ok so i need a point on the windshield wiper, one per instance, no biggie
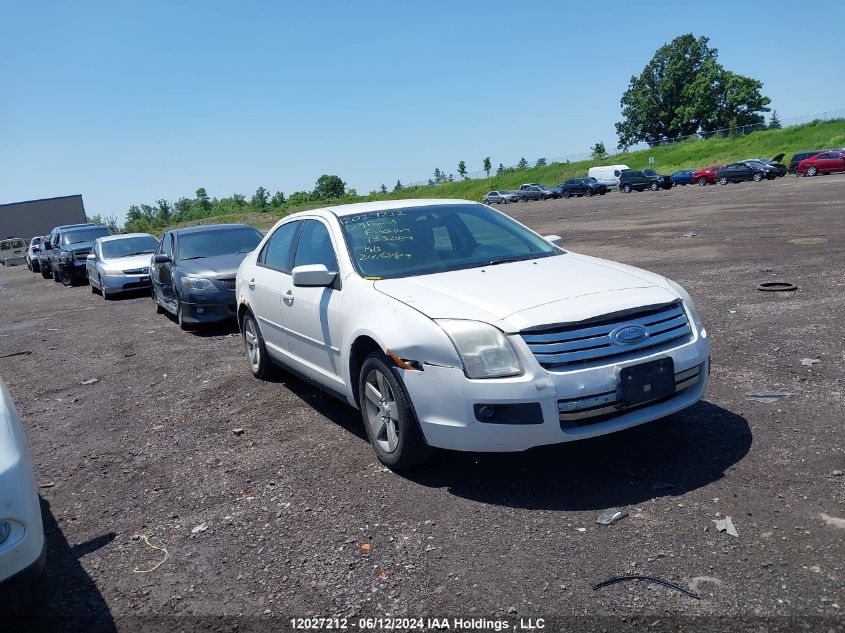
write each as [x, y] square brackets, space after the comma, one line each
[182, 259]
[140, 253]
[503, 260]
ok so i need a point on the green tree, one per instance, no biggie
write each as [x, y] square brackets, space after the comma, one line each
[383, 188]
[299, 197]
[541, 162]
[522, 164]
[500, 169]
[182, 209]
[164, 211]
[260, 198]
[599, 152]
[774, 121]
[202, 199]
[277, 200]
[397, 186]
[487, 165]
[439, 176]
[684, 90]
[462, 169]
[329, 186]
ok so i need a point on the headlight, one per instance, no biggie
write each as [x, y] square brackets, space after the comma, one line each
[197, 283]
[112, 271]
[484, 350]
[690, 304]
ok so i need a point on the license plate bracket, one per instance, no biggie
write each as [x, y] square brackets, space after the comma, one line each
[647, 381]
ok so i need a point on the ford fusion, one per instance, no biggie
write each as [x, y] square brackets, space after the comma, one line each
[192, 271]
[120, 263]
[450, 325]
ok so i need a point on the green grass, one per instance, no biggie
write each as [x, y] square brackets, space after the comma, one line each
[667, 159]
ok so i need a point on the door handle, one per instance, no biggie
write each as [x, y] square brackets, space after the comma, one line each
[251, 284]
[288, 297]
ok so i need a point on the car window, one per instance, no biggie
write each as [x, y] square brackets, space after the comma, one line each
[315, 246]
[214, 243]
[277, 250]
[128, 246]
[77, 236]
[5, 246]
[167, 245]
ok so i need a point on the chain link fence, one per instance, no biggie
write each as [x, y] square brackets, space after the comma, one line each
[829, 115]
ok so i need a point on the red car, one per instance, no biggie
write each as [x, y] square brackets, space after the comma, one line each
[706, 176]
[823, 163]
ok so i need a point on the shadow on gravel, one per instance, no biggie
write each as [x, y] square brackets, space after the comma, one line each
[668, 457]
[66, 598]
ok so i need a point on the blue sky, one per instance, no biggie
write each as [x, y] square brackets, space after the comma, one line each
[128, 102]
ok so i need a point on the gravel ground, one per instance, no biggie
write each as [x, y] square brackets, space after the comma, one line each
[270, 503]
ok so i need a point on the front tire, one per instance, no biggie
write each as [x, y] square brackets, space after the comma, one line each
[758, 177]
[812, 171]
[180, 315]
[723, 180]
[626, 188]
[256, 350]
[388, 415]
[702, 181]
[45, 272]
[654, 186]
[566, 193]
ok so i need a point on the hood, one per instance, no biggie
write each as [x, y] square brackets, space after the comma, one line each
[129, 263]
[218, 266]
[537, 292]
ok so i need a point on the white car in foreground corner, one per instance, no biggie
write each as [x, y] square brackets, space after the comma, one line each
[449, 324]
[22, 549]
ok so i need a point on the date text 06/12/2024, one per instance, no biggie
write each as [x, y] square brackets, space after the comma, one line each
[421, 624]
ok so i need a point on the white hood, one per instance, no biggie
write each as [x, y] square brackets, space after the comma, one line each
[537, 292]
[128, 263]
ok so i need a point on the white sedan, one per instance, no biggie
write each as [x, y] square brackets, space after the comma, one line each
[450, 325]
[22, 550]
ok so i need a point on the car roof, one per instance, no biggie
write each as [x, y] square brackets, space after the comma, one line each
[202, 228]
[383, 205]
[121, 236]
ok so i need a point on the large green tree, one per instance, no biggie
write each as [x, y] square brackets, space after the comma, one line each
[329, 186]
[683, 90]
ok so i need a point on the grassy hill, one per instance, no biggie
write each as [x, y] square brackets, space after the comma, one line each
[667, 158]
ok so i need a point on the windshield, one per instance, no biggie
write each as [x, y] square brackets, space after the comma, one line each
[128, 246]
[84, 235]
[220, 242]
[425, 240]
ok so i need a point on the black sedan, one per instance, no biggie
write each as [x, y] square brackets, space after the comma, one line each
[741, 172]
[581, 187]
[193, 271]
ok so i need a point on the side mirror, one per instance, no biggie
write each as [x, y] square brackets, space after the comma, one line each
[162, 258]
[91, 256]
[313, 276]
[557, 240]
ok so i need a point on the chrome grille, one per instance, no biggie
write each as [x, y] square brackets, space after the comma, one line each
[586, 342]
[228, 284]
[137, 271]
[80, 255]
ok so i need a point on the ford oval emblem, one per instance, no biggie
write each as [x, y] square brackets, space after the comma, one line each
[629, 335]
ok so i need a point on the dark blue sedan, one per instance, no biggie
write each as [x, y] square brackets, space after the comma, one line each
[682, 177]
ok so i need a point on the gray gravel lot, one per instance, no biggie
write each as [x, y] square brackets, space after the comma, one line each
[295, 516]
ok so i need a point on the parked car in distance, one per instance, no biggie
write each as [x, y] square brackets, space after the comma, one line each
[49, 246]
[682, 177]
[500, 197]
[498, 339]
[822, 163]
[32, 254]
[776, 163]
[120, 263]
[529, 184]
[192, 271]
[12, 251]
[663, 182]
[798, 157]
[706, 175]
[608, 175]
[532, 192]
[22, 544]
[581, 187]
[741, 172]
[550, 192]
[69, 255]
[638, 180]
[770, 172]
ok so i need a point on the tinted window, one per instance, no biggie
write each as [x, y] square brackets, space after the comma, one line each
[616, 173]
[219, 242]
[76, 236]
[276, 252]
[423, 240]
[315, 246]
[128, 246]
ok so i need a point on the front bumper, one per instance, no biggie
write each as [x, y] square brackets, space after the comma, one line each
[209, 307]
[73, 268]
[124, 283]
[446, 402]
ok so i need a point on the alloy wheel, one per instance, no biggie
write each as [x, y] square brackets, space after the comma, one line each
[253, 348]
[382, 411]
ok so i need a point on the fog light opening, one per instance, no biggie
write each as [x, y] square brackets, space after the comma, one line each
[486, 411]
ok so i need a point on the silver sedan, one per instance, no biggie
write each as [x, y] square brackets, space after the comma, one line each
[120, 263]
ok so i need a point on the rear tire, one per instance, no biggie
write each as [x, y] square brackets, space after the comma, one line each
[654, 186]
[46, 273]
[589, 193]
[57, 276]
[626, 188]
[702, 181]
[388, 416]
[566, 193]
[723, 180]
[256, 350]
[757, 177]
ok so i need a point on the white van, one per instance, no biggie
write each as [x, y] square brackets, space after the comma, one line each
[607, 175]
